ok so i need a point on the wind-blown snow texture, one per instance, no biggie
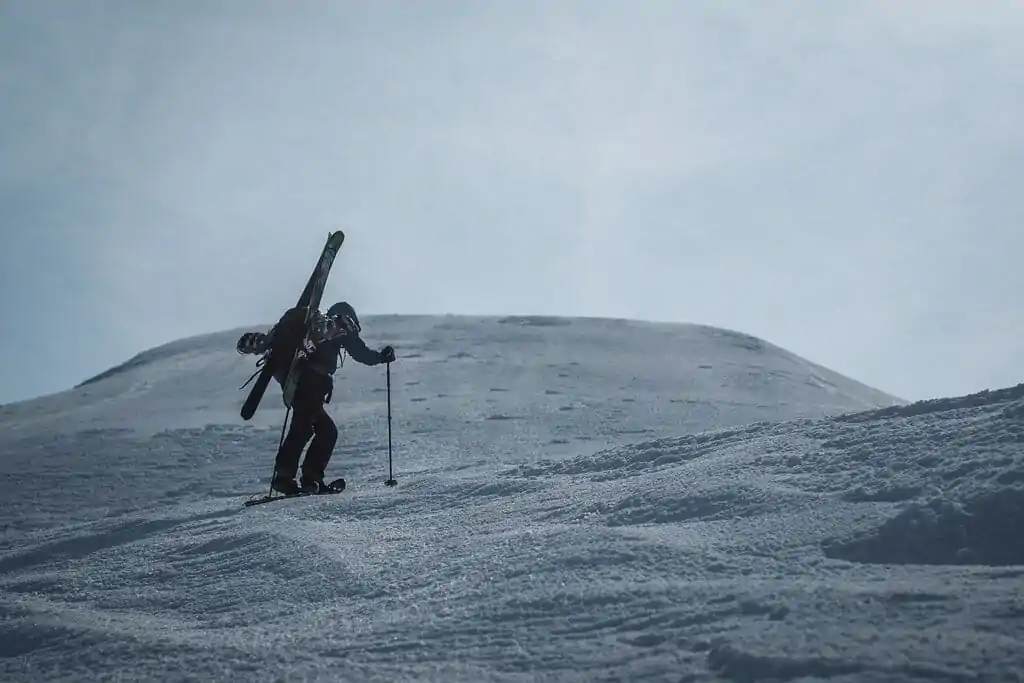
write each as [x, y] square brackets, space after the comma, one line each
[578, 500]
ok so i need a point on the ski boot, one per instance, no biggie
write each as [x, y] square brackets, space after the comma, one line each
[315, 484]
[285, 485]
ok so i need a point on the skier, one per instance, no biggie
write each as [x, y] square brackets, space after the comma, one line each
[331, 334]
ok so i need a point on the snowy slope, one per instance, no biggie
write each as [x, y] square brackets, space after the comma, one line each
[579, 500]
[630, 376]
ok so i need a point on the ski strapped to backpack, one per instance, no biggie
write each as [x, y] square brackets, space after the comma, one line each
[292, 334]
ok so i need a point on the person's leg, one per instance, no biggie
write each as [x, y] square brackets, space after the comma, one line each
[325, 435]
[305, 407]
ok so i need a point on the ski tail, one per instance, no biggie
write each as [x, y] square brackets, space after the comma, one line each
[310, 299]
[252, 401]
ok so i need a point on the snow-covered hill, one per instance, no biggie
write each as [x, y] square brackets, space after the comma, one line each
[590, 379]
[578, 500]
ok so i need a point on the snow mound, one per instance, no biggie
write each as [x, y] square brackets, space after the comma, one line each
[981, 529]
[944, 479]
[776, 661]
[961, 476]
[944, 405]
[165, 354]
[548, 384]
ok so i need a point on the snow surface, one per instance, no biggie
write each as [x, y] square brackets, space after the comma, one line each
[578, 500]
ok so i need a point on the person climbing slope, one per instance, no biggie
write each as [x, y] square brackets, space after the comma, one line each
[337, 331]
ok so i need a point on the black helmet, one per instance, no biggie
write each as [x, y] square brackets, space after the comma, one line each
[343, 310]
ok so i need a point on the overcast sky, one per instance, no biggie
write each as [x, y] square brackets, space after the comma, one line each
[840, 178]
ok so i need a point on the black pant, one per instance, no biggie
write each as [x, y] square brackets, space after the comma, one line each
[309, 419]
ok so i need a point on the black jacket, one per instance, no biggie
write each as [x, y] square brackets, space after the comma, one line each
[324, 359]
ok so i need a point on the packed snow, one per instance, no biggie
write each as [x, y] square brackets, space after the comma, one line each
[577, 500]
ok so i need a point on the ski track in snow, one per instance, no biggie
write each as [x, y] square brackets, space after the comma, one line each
[578, 500]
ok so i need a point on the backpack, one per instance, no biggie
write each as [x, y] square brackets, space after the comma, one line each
[278, 345]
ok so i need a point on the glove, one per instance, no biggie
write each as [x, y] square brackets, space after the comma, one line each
[387, 354]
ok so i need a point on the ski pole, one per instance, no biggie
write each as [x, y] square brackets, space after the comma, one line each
[280, 445]
[391, 476]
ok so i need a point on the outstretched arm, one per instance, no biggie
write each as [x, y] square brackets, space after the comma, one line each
[358, 349]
